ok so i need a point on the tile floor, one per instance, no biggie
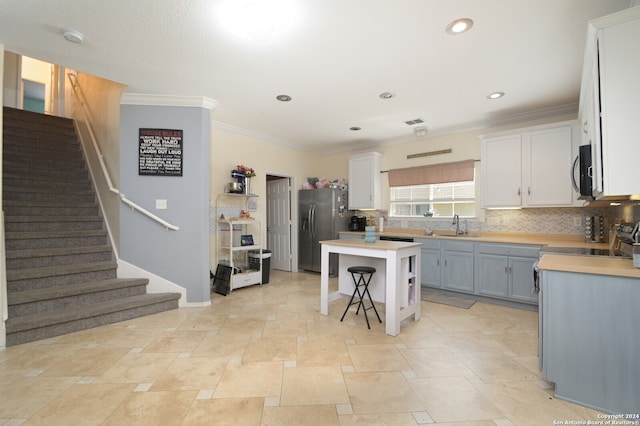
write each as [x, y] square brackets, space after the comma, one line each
[265, 356]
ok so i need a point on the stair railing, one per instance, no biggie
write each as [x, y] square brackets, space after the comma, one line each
[86, 115]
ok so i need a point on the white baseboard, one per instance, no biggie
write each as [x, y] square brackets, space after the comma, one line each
[156, 284]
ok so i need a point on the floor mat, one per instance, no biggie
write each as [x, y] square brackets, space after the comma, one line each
[445, 299]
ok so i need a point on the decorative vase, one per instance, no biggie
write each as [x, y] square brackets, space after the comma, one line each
[247, 186]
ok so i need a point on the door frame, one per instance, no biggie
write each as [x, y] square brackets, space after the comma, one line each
[293, 214]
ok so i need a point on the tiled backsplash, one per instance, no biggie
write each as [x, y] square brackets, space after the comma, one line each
[540, 220]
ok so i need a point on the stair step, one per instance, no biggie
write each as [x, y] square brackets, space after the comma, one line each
[40, 326]
[52, 223]
[39, 258]
[52, 271]
[43, 184]
[48, 208]
[38, 240]
[61, 275]
[31, 302]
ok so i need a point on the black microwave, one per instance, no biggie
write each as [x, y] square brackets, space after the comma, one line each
[585, 167]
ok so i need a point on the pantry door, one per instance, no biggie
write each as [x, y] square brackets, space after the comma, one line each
[279, 223]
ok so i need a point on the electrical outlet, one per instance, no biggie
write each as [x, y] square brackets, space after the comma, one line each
[577, 221]
[161, 204]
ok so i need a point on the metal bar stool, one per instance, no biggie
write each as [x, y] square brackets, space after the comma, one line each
[361, 271]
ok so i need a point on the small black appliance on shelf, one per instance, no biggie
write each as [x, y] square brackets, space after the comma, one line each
[358, 223]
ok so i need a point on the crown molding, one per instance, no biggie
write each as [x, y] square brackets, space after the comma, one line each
[168, 100]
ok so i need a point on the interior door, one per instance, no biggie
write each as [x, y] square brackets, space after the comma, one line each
[279, 223]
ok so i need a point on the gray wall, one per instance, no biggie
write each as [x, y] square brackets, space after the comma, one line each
[180, 256]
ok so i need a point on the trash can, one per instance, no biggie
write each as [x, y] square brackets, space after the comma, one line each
[254, 263]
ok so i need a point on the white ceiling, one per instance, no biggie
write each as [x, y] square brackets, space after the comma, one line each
[333, 57]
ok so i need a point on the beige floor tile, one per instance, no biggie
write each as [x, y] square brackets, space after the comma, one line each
[137, 368]
[395, 419]
[313, 386]
[495, 367]
[322, 353]
[381, 392]
[176, 341]
[238, 325]
[24, 396]
[278, 348]
[204, 321]
[152, 408]
[86, 362]
[191, 374]
[222, 345]
[82, 404]
[454, 399]
[377, 358]
[285, 328]
[475, 341]
[321, 328]
[319, 415]
[435, 362]
[253, 379]
[526, 404]
[232, 411]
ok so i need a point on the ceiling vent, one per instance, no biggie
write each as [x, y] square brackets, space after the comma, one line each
[414, 121]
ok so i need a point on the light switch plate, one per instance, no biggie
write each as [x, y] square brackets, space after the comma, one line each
[161, 204]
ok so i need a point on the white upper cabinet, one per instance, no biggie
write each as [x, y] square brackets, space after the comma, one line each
[609, 107]
[364, 181]
[529, 167]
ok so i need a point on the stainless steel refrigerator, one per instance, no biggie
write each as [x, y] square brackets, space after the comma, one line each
[323, 213]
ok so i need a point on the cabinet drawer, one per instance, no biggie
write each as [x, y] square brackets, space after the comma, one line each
[458, 246]
[428, 243]
[509, 250]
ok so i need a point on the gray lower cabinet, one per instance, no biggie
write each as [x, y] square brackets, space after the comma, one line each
[506, 271]
[447, 264]
[589, 339]
[457, 268]
[430, 262]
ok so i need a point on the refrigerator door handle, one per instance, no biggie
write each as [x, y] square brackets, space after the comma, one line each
[312, 219]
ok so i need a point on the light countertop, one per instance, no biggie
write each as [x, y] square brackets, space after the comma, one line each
[557, 240]
[599, 265]
[378, 245]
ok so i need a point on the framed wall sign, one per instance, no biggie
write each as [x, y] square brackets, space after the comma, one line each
[160, 152]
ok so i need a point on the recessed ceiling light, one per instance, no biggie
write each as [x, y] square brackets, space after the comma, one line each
[73, 36]
[495, 95]
[420, 131]
[459, 26]
[355, 128]
[386, 95]
[283, 98]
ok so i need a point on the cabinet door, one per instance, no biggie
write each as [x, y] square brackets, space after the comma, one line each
[430, 267]
[619, 58]
[546, 167]
[364, 181]
[492, 274]
[457, 271]
[521, 286]
[501, 171]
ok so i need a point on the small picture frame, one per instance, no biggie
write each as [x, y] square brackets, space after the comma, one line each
[246, 240]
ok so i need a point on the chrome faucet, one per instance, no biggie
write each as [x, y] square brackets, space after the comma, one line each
[456, 222]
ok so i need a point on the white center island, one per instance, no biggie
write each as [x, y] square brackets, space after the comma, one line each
[395, 283]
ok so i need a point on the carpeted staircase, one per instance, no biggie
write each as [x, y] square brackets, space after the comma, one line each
[61, 269]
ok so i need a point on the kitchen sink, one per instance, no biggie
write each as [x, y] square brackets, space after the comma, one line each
[452, 235]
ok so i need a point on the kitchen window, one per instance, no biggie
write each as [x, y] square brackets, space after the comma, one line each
[437, 200]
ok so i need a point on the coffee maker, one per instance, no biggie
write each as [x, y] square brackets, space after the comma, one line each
[357, 223]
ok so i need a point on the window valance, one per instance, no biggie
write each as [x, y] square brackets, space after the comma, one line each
[459, 171]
